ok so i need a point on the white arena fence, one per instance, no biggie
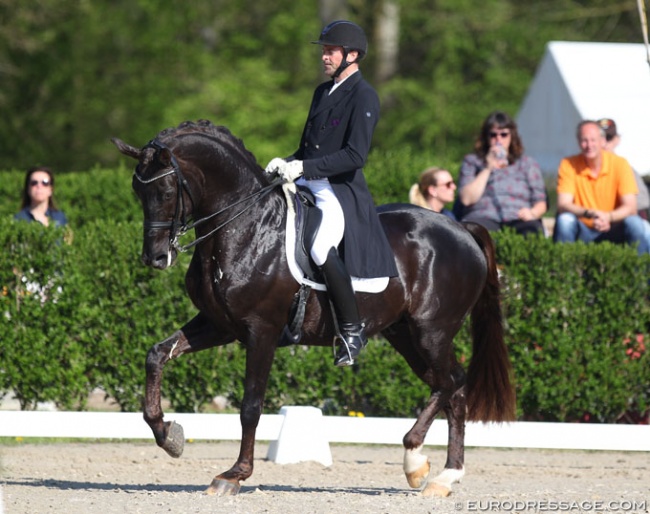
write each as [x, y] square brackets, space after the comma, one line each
[303, 433]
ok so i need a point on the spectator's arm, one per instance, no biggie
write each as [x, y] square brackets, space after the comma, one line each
[627, 207]
[565, 204]
[471, 193]
[539, 209]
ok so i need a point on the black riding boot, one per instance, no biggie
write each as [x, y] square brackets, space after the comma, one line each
[350, 331]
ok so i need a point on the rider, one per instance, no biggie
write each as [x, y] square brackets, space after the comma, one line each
[333, 150]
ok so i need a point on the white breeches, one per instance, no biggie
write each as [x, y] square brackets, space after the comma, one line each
[330, 232]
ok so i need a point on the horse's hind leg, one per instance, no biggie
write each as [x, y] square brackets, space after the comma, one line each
[198, 334]
[433, 364]
[454, 471]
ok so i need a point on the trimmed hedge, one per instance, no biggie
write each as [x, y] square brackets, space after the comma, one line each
[78, 310]
[94, 195]
[578, 320]
[81, 314]
[100, 194]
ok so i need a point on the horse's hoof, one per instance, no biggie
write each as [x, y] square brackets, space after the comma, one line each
[418, 477]
[433, 489]
[175, 440]
[221, 487]
[416, 467]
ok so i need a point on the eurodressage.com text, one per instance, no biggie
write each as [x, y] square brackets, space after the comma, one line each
[551, 506]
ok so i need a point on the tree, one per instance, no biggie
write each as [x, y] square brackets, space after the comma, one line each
[75, 73]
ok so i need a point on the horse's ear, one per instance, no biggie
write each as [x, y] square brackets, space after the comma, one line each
[128, 150]
[165, 157]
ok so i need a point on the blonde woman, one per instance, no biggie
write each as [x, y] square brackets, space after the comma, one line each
[435, 189]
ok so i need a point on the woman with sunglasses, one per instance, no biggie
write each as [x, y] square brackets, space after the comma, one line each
[499, 186]
[434, 190]
[38, 199]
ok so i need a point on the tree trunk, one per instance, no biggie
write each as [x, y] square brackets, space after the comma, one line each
[387, 40]
[331, 10]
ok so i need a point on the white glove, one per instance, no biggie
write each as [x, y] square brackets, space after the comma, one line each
[274, 165]
[290, 171]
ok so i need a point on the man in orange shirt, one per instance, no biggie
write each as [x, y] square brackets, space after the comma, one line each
[596, 195]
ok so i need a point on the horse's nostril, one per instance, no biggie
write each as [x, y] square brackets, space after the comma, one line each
[160, 261]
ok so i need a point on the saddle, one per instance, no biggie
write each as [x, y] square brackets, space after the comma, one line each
[308, 220]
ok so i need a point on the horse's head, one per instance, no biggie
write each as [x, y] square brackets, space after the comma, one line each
[166, 198]
[196, 171]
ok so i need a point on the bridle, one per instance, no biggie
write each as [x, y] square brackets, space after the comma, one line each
[179, 226]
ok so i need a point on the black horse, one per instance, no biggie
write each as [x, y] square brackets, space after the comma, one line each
[200, 177]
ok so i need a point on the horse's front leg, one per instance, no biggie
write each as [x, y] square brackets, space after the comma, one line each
[198, 334]
[259, 359]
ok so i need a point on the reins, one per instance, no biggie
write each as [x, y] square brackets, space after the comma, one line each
[178, 227]
[258, 195]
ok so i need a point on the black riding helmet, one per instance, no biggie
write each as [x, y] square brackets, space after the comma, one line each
[347, 35]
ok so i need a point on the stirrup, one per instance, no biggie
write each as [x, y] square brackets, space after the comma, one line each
[351, 344]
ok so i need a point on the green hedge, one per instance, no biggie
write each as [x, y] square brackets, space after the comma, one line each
[100, 194]
[81, 314]
[577, 317]
[94, 195]
[578, 320]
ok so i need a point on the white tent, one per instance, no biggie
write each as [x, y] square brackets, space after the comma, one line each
[577, 81]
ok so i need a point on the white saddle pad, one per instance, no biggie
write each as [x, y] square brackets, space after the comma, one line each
[362, 285]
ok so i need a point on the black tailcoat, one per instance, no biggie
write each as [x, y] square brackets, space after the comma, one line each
[334, 145]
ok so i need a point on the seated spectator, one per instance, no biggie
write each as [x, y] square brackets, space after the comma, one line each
[434, 190]
[499, 186]
[38, 199]
[596, 195]
[612, 140]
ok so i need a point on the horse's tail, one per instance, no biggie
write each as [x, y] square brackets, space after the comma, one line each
[490, 391]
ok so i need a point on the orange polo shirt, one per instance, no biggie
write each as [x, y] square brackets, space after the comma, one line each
[603, 192]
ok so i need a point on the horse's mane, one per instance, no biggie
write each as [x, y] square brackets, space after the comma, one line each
[206, 127]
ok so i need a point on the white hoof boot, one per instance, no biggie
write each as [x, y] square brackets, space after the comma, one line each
[416, 467]
[441, 485]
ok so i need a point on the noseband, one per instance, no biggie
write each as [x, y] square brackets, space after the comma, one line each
[179, 225]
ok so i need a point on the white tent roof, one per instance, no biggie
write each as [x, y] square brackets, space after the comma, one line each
[578, 81]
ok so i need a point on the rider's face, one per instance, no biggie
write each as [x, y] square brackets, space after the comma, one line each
[332, 57]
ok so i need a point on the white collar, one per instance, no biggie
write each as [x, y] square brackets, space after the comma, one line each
[337, 84]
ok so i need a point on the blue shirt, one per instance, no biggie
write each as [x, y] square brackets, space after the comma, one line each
[448, 213]
[57, 216]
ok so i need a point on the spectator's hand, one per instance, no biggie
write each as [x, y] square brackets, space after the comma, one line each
[274, 165]
[290, 171]
[526, 214]
[602, 221]
[497, 157]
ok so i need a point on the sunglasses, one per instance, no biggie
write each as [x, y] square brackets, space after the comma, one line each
[503, 134]
[447, 184]
[45, 182]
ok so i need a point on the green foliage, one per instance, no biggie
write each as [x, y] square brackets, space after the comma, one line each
[573, 312]
[97, 194]
[82, 313]
[103, 194]
[77, 73]
[37, 356]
